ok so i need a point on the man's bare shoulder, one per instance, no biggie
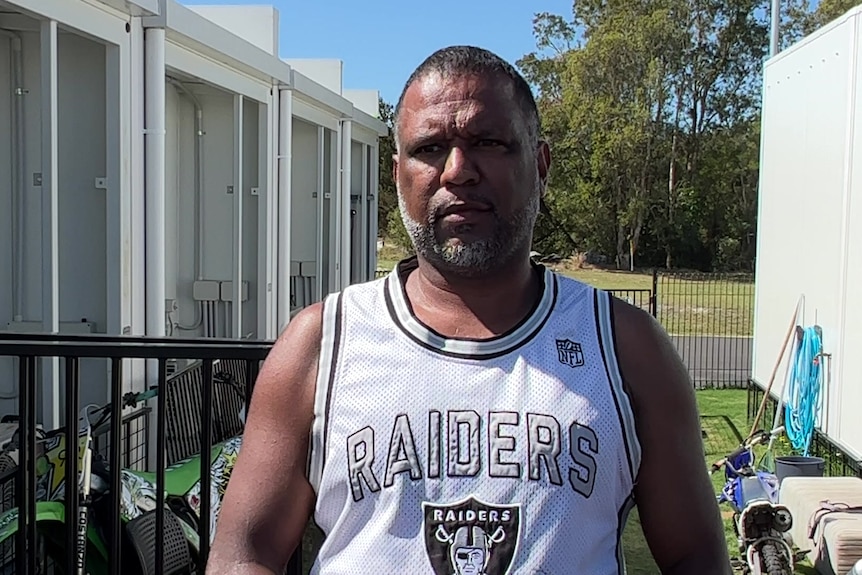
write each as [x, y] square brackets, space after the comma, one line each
[300, 339]
[641, 340]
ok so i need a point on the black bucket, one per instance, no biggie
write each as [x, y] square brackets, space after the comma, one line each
[798, 466]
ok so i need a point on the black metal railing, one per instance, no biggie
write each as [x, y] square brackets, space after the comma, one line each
[838, 462]
[710, 317]
[113, 441]
[642, 298]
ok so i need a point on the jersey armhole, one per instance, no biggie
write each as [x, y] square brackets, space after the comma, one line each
[607, 340]
[331, 334]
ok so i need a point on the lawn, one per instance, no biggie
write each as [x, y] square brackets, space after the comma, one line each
[688, 304]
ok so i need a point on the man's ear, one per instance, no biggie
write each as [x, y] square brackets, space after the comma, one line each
[395, 168]
[543, 163]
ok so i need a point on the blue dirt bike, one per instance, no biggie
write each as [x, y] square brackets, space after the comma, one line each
[760, 523]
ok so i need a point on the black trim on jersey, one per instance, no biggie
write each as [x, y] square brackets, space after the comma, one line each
[596, 294]
[411, 263]
[626, 389]
[336, 341]
[394, 315]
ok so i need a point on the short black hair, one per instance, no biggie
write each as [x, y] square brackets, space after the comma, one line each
[463, 60]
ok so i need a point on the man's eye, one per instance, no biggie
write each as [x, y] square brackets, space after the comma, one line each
[486, 142]
[427, 149]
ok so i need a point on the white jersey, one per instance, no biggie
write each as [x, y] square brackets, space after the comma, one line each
[511, 455]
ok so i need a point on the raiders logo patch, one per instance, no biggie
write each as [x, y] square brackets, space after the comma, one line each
[470, 537]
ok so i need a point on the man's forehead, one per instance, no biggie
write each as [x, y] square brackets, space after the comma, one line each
[436, 97]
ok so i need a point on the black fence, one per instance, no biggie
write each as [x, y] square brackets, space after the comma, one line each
[197, 411]
[642, 298]
[710, 318]
[838, 462]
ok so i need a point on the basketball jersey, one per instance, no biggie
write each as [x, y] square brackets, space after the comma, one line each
[510, 455]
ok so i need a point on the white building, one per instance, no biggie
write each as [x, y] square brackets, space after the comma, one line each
[159, 163]
[810, 216]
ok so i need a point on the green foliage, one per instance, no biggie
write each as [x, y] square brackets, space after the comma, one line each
[387, 194]
[388, 215]
[650, 107]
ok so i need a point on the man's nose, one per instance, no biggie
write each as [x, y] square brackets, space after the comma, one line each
[459, 169]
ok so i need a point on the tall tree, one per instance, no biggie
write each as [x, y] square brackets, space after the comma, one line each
[633, 93]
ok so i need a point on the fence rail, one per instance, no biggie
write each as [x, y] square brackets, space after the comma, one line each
[709, 316]
[153, 536]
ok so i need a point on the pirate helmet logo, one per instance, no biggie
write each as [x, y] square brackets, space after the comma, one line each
[471, 537]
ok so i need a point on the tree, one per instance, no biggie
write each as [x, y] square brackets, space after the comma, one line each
[633, 94]
[388, 216]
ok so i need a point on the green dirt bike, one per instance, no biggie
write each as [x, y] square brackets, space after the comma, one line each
[137, 501]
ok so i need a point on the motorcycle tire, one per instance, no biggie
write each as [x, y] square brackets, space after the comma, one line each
[773, 563]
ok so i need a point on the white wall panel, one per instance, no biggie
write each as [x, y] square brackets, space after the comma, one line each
[807, 243]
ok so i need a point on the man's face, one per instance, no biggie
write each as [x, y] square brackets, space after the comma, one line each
[469, 177]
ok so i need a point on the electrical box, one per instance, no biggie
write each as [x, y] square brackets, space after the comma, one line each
[206, 290]
[227, 291]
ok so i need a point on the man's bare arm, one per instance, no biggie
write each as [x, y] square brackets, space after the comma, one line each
[269, 499]
[675, 499]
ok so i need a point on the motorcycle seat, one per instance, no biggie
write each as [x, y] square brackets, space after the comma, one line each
[180, 477]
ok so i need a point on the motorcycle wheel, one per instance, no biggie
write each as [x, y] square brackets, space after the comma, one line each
[772, 560]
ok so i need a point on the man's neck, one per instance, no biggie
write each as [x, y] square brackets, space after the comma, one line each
[480, 306]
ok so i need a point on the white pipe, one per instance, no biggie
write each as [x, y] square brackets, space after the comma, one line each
[19, 195]
[199, 175]
[198, 197]
[138, 203]
[364, 241]
[284, 199]
[335, 213]
[50, 218]
[238, 216]
[20, 158]
[321, 257]
[154, 134]
[18, 192]
[372, 207]
[267, 115]
[347, 202]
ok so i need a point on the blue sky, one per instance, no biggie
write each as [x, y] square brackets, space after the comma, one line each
[382, 41]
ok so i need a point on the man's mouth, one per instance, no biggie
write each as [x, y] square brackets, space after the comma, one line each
[464, 209]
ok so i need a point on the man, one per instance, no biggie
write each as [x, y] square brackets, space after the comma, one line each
[472, 412]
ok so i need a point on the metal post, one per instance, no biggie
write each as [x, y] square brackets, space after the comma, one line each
[50, 221]
[238, 181]
[346, 179]
[283, 207]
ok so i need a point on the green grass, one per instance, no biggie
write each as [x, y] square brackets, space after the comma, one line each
[687, 305]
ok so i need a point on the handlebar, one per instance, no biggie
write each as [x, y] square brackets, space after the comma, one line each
[132, 399]
[759, 437]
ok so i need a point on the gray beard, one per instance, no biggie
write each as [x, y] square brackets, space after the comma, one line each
[477, 257]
